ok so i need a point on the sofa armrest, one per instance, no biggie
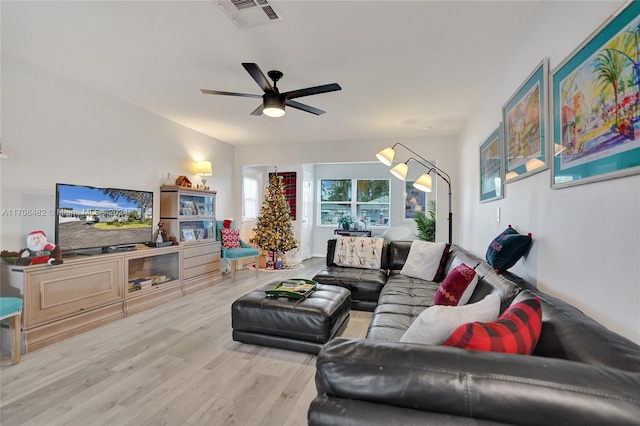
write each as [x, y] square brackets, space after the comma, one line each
[482, 385]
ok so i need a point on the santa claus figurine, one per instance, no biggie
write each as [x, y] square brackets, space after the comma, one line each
[39, 251]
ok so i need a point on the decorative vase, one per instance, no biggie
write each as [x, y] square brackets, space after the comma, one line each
[168, 180]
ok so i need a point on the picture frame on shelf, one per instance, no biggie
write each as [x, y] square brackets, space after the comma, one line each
[595, 118]
[199, 234]
[201, 209]
[524, 129]
[189, 208]
[209, 230]
[414, 201]
[188, 234]
[492, 167]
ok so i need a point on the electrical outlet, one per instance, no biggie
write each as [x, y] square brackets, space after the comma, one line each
[498, 215]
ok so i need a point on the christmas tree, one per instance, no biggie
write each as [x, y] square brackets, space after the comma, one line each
[274, 231]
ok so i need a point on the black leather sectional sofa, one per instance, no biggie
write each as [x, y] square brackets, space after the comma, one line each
[580, 373]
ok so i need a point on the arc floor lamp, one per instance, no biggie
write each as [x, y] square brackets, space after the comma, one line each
[424, 182]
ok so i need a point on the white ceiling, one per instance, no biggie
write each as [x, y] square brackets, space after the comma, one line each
[407, 68]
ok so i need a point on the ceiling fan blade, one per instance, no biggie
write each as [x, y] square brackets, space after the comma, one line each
[258, 76]
[313, 90]
[217, 92]
[303, 107]
[258, 111]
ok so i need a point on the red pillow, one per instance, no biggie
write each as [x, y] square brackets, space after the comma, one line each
[230, 238]
[457, 287]
[516, 331]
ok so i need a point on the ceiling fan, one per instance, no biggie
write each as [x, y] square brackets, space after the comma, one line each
[273, 102]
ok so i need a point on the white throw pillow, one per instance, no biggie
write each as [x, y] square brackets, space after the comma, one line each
[423, 260]
[436, 323]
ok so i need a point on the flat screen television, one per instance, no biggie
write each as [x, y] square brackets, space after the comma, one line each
[109, 219]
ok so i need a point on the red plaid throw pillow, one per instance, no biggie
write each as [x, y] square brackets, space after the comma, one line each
[457, 287]
[230, 238]
[516, 331]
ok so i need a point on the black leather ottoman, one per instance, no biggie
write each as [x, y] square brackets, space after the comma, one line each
[298, 324]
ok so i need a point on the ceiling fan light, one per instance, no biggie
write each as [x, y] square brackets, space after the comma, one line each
[273, 104]
[386, 156]
[400, 171]
[423, 183]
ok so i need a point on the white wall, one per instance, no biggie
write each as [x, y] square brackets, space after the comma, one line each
[586, 246]
[55, 130]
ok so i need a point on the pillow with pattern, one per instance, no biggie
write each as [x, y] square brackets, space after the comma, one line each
[516, 331]
[457, 286]
[507, 248]
[358, 252]
[230, 238]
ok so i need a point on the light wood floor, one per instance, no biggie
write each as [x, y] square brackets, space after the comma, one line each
[175, 364]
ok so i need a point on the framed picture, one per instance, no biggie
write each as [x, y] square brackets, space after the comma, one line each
[491, 167]
[188, 234]
[414, 201]
[595, 105]
[188, 208]
[201, 209]
[524, 126]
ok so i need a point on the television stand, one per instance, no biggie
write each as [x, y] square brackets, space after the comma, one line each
[88, 291]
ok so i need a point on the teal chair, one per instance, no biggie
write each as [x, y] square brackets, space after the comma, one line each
[233, 254]
[11, 307]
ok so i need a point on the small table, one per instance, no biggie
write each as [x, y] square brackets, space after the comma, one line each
[353, 233]
[297, 324]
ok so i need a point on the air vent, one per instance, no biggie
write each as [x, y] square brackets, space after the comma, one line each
[249, 13]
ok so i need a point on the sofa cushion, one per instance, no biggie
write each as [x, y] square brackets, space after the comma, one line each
[516, 331]
[457, 286]
[358, 252]
[507, 248]
[230, 238]
[364, 284]
[401, 301]
[425, 259]
[435, 324]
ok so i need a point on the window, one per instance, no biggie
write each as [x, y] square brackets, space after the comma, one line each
[250, 190]
[369, 205]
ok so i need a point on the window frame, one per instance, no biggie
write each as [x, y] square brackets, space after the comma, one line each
[257, 177]
[353, 202]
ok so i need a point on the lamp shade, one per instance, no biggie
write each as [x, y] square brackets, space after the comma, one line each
[400, 171]
[203, 168]
[273, 104]
[386, 156]
[423, 183]
[533, 164]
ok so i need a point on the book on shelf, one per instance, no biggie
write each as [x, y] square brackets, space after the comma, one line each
[140, 283]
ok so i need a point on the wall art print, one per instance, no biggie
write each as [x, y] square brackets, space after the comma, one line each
[596, 111]
[491, 167]
[524, 126]
[415, 201]
[289, 180]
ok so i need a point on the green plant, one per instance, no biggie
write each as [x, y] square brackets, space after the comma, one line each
[426, 223]
[345, 221]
